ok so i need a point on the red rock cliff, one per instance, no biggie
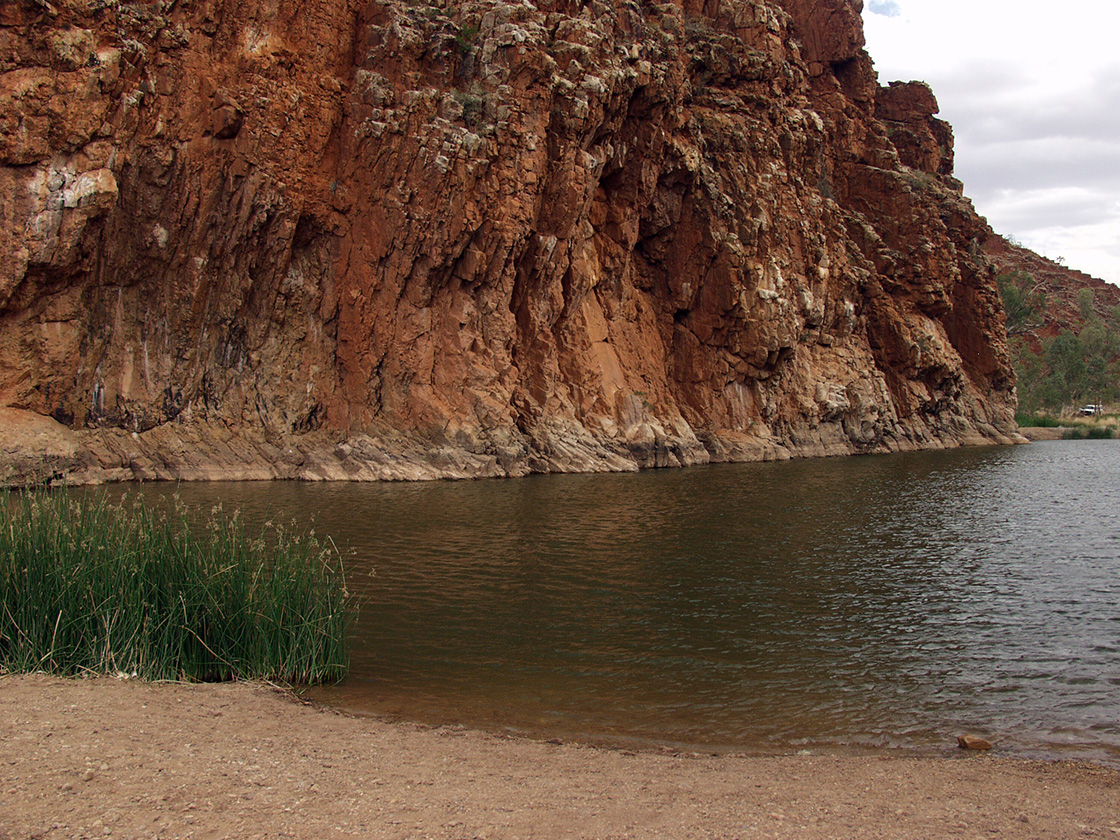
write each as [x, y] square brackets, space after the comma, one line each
[390, 239]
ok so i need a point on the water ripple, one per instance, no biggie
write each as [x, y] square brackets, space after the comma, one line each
[881, 601]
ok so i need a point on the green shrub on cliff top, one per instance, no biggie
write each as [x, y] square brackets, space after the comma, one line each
[88, 586]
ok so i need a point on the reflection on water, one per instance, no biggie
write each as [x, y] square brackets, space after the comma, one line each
[878, 602]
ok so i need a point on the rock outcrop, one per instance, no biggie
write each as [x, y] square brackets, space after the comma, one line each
[1061, 287]
[388, 239]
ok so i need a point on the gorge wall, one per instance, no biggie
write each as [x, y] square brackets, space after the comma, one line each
[387, 239]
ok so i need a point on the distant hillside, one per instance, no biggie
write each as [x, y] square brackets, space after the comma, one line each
[1064, 330]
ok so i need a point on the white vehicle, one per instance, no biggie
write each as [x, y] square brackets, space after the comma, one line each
[1089, 410]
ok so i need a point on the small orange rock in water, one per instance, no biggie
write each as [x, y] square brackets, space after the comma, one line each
[973, 742]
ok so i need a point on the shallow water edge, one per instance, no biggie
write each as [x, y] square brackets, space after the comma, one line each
[876, 603]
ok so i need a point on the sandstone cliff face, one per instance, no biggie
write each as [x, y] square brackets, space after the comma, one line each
[389, 239]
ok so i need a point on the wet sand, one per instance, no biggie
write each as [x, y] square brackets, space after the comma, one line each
[114, 758]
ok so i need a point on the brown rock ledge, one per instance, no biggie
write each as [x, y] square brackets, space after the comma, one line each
[95, 757]
[1033, 433]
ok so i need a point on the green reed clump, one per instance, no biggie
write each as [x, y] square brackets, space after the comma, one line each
[89, 586]
[1085, 432]
[1037, 420]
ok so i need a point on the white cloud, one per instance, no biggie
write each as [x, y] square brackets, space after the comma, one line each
[1090, 248]
[1035, 210]
[887, 8]
[1054, 162]
[1032, 91]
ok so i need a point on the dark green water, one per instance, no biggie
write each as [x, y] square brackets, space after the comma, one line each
[891, 601]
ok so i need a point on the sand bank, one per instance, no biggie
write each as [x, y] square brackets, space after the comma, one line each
[104, 757]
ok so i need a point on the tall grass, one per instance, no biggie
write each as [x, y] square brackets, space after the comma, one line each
[1090, 432]
[90, 586]
[1037, 420]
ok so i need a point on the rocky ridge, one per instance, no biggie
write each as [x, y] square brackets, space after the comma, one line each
[378, 239]
[1061, 286]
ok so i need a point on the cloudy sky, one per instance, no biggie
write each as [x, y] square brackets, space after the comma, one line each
[1032, 90]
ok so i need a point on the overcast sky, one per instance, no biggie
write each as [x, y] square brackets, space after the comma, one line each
[1032, 90]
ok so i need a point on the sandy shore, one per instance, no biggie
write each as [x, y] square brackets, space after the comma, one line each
[104, 757]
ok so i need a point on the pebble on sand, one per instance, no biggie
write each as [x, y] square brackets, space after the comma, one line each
[973, 742]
